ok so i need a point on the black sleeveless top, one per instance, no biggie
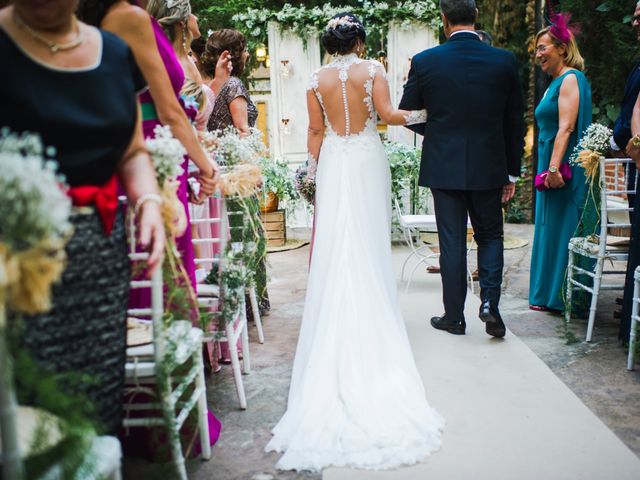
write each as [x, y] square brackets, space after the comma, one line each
[88, 114]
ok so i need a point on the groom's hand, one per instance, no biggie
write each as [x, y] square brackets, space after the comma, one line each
[508, 191]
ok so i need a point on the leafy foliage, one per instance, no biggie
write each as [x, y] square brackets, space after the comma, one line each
[49, 392]
[251, 17]
[404, 163]
[609, 47]
[279, 179]
[244, 257]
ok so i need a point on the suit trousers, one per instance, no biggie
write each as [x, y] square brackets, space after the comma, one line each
[484, 208]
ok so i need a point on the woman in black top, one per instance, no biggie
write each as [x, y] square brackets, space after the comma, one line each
[76, 87]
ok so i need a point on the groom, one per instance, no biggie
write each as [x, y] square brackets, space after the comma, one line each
[473, 143]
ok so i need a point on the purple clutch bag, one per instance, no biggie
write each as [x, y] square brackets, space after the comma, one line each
[565, 171]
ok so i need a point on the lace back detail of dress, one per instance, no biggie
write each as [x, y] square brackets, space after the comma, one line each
[336, 77]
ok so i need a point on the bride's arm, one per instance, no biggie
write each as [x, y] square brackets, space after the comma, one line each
[382, 103]
[315, 133]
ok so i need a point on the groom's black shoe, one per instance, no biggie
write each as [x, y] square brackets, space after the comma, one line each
[490, 315]
[443, 323]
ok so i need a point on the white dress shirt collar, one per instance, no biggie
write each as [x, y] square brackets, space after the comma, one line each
[464, 31]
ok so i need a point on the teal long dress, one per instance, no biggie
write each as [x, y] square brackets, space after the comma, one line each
[558, 211]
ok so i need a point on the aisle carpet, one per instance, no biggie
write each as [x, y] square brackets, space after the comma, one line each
[508, 416]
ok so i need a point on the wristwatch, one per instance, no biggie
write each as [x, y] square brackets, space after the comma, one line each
[553, 169]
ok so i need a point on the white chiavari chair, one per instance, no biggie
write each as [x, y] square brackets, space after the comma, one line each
[614, 215]
[635, 318]
[169, 371]
[211, 297]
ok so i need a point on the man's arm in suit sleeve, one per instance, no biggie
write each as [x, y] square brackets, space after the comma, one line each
[622, 125]
[514, 122]
[412, 98]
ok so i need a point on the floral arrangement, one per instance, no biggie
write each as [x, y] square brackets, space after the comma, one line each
[241, 180]
[233, 149]
[245, 250]
[233, 279]
[34, 206]
[594, 144]
[34, 222]
[306, 182]
[278, 179]
[302, 20]
[240, 157]
[167, 154]
[34, 229]
[341, 21]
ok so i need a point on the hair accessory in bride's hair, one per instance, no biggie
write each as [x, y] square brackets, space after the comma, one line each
[342, 21]
[172, 3]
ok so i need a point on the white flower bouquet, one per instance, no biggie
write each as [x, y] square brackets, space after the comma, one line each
[232, 149]
[33, 204]
[34, 222]
[594, 143]
[167, 154]
[240, 158]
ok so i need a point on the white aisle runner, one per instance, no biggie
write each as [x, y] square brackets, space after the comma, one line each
[508, 416]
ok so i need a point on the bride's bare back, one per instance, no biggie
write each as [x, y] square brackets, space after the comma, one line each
[346, 96]
[344, 90]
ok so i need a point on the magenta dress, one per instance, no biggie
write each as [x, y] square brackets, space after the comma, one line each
[149, 122]
[141, 297]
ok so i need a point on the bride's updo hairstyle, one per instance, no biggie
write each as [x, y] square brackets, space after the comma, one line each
[342, 33]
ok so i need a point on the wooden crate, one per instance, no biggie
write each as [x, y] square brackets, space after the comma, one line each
[275, 227]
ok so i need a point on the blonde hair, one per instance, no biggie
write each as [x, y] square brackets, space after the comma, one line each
[572, 56]
[192, 89]
[168, 13]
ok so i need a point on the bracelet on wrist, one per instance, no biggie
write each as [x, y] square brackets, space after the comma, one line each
[147, 197]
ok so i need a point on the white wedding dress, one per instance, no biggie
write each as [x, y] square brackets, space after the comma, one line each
[356, 396]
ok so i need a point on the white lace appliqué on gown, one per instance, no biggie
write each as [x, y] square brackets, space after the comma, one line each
[356, 396]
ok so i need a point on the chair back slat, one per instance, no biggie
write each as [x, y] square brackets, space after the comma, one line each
[198, 241]
[614, 192]
[157, 308]
[211, 233]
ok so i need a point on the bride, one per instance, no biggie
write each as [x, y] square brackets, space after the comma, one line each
[356, 398]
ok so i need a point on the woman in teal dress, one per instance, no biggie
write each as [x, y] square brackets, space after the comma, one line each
[562, 116]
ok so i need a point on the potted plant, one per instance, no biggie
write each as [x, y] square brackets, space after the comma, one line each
[278, 184]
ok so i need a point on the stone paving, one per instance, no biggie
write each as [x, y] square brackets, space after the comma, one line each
[595, 372]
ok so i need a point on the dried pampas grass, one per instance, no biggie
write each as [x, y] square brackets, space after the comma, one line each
[242, 180]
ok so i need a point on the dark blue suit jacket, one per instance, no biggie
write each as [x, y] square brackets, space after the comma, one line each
[622, 127]
[474, 135]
